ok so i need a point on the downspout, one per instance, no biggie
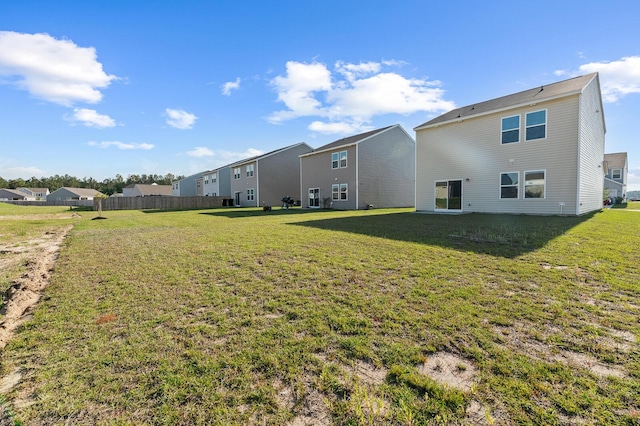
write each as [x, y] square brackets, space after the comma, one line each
[302, 193]
[257, 185]
[578, 181]
[357, 187]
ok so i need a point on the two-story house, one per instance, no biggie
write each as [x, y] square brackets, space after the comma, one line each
[217, 182]
[615, 179]
[267, 178]
[375, 168]
[37, 194]
[539, 151]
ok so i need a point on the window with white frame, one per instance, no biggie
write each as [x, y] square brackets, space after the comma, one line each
[343, 192]
[249, 194]
[616, 173]
[206, 179]
[339, 160]
[511, 129]
[249, 170]
[343, 159]
[534, 184]
[536, 125]
[509, 184]
[236, 173]
[214, 178]
[335, 192]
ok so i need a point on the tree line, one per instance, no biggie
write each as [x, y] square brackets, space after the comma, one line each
[108, 186]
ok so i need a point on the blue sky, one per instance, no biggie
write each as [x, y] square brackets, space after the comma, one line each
[97, 88]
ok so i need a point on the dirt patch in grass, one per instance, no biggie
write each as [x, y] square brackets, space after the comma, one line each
[39, 256]
[451, 370]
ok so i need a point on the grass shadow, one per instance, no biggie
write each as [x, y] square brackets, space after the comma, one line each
[498, 235]
[239, 212]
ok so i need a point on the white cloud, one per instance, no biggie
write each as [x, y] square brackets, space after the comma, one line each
[352, 95]
[559, 73]
[200, 152]
[19, 172]
[90, 118]
[617, 78]
[337, 128]
[55, 70]
[229, 86]
[180, 119]
[121, 145]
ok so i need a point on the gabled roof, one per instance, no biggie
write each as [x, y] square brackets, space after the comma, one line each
[616, 160]
[154, 189]
[268, 154]
[14, 192]
[352, 140]
[35, 190]
[560, 89]
[80, 192]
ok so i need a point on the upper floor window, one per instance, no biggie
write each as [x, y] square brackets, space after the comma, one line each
[250, 170]
[206, 179]
[511, 129]
[616, 173]
[214, 178]
[339, 160]
[236, 173]
[534, 184]
[536, 125]
[509, 183]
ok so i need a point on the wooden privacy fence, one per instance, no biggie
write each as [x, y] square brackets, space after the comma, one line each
[160, 202]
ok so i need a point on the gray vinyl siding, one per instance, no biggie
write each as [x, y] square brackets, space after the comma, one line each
[470, 150]
[318, 173]
[280, 175]
[386, 170]
[592, 132]
[244, 183]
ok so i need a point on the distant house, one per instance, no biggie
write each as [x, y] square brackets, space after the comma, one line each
[267, 178]
[539, 151]
[12, 195]
[145, 190]
[35, 193]
[615, 179]
[72, 194]
[375, 168]
[189, 186]
[217, 182]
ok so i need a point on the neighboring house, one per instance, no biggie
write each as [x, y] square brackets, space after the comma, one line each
[35, 193]
[375, 168]
[539, 151]
[72, 194]
[266, 179]
[12, 195]
[217, 182]
[145, 190]
[189, 186]
[615, 179]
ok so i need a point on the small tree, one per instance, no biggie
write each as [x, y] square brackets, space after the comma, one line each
[99, 197]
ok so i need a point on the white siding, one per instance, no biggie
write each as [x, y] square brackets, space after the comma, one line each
[471, 149]
[592, 131]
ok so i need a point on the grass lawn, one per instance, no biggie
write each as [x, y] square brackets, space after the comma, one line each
[237, 316]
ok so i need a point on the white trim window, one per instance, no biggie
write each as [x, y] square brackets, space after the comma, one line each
[344, 192]
[214, 177]
[535, 184]
[250, 196]
[335, 192]
[206, 179]
[509, 185]
[510, 129]
[536, 125]
[236, 173]
[343, 159]
[616, 173]
[249, 170]
[339, 160]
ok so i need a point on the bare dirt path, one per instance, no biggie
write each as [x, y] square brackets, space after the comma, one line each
[39, 256]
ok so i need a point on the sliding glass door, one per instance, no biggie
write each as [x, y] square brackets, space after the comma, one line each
[448, 195]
